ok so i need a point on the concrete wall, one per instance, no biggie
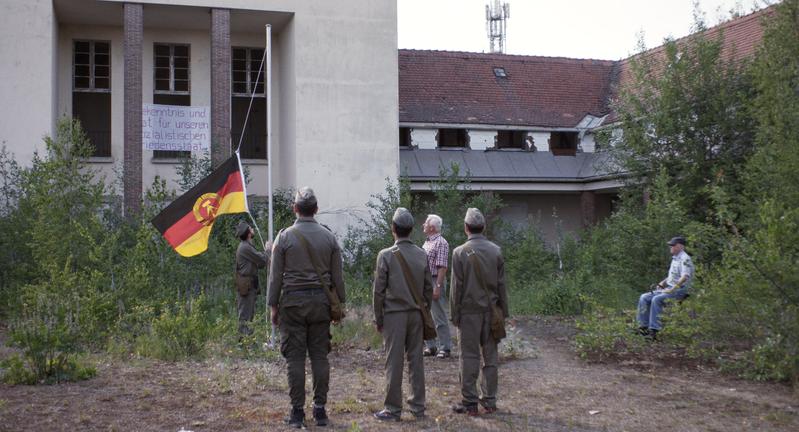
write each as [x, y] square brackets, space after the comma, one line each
[347, 107]
[481, 139]
[546, 211]
[540, 140]
[28, 31]
[424, 138]
[587, 143]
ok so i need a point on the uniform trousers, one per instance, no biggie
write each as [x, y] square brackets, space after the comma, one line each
[402, 335]
[245, 306]
[476, 344]
[304, 322]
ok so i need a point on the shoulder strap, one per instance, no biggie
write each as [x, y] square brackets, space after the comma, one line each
[312, 256]
[478, 269]
[406, 272]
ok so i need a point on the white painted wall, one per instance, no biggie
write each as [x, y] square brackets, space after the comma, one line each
[541, 140]
[27, 88]
[424, 138]
[481, 139]
[347, 107]
[587, 143]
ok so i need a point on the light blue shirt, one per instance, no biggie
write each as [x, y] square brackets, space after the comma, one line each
[681, 265]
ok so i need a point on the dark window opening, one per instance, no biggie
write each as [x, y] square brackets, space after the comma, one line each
[171, 84]
[563, 143]
[512, 139]
[247, 81]
[404, 137]
[253, 142]
[94, 112]
[91, 93]
[453, 138]
[500, 72]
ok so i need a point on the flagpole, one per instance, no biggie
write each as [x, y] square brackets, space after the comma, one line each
[268, 79]
[269, 125]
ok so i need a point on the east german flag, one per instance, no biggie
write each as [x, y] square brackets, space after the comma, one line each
[186, 223]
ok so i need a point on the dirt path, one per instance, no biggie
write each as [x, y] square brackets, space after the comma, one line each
[551, 390]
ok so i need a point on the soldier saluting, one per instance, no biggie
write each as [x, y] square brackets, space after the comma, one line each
[306, 293]
[402, 289]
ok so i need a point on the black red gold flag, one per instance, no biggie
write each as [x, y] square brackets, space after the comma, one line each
[186, 223]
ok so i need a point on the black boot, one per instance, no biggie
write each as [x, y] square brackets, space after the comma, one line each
[653, 335]
[296, 418]
[320, 416]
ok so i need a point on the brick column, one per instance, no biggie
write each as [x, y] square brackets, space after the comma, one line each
[588, 208]
[132, 165]
[220, 85]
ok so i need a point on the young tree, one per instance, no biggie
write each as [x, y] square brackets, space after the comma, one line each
[684, 110]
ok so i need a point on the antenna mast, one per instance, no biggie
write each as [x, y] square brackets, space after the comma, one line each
[497, 25]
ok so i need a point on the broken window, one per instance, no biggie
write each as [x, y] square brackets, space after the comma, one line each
[405, 137]
[563, 143]
[91, 92]
[452, 138]
[248, 84]
[171, 77]
[512, 139]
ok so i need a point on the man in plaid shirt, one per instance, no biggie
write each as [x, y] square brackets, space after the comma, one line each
[437, 250]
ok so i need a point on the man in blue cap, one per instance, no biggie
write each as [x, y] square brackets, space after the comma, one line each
[674, 286]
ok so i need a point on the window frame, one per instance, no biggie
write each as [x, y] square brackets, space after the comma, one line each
[248, 73]
[171, 66]
[92, 75]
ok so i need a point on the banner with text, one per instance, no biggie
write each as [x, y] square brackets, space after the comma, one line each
[176, 128]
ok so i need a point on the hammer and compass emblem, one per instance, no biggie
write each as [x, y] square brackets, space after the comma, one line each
[205, 208]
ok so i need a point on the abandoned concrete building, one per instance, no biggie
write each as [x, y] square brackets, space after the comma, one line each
[333, 115]
[521, 126]
[525, 127]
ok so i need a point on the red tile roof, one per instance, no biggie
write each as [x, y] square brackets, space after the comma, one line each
[461, 88]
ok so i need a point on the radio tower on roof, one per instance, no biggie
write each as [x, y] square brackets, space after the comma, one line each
[496, 25]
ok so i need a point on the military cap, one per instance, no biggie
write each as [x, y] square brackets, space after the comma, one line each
[676, 240]
[403, 218]
[474, 218]
[305, 196]
[242, 228]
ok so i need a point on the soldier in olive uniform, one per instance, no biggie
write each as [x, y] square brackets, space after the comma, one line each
[470, 303]
[398, 316]
[300, 307]
[248, 261]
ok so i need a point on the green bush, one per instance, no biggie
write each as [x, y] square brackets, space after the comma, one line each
[607, 332]
[49, 331]
[17, 371]
[177, 334]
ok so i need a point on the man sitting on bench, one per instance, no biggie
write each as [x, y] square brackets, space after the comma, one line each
[675, 286]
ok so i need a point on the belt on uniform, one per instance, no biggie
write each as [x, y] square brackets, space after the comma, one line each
[304, 292]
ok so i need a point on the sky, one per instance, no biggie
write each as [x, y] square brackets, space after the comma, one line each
[601, 29]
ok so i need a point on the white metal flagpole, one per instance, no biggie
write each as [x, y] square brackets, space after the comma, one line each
[269, 125]
[268, 82]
